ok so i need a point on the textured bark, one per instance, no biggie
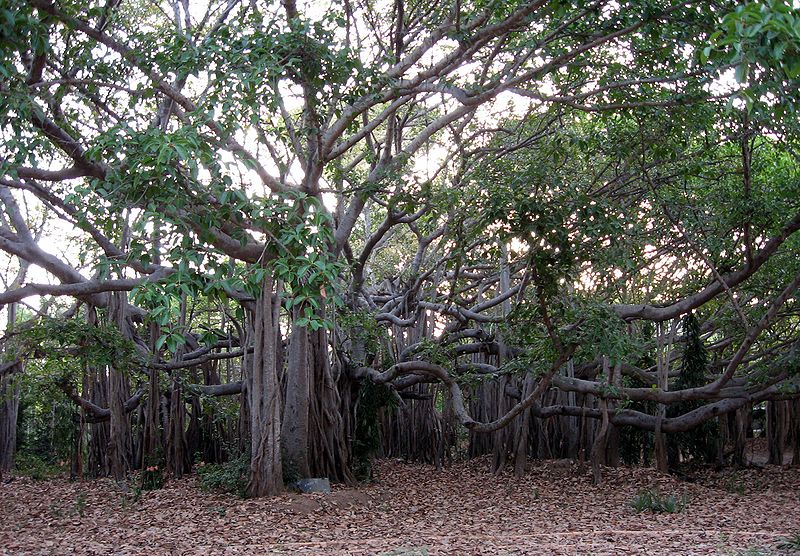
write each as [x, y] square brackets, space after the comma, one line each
[178, 461]
[740, 420]
[599, 446]
[294, 430]
[9, 403]
[662, 375]
[266, 473]
[776, 431]
[795, 421]
[521, 440]
[9, 410]
[151, 438]
[329, 446]
[96, 388]
[119, 438]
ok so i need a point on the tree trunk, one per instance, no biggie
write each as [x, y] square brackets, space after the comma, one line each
[329, 446]
[9, 410]
[119, 437]
[294, 431]
[177, 450]
[794, 419]
[740, 420]
[521, 444]
[662, 372]
[152, 450]
[96, 389]
[9, 405]
[776, 432]
[266, 474]
[599, 446]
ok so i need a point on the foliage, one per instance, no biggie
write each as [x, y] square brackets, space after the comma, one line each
[29, 464]
[635, 444]
[594, 157]
[61, 343]
[792, 542]
[372, 398]
[699, 443]
[651, 500]
[439, 353]
[153, 472]
[361, 330]
[45, 427]
[230, 476]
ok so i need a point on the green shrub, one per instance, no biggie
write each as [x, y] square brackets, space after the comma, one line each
[33, 466]
[651, 500]
[230, 476]
[291, 472]
[371, 398]
[152, 478]
[153, 472]
[792, 542]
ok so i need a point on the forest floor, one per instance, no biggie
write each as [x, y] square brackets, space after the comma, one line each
[413, 509]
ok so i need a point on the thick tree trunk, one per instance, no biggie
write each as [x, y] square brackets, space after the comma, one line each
[9, 404]
[9, 410]
[266, 474]
[794, 419]
[152, 445]
[329, 446]
[96, 389]
[521, 441]
[776, 432]
[119, 438]
[740, 419]
[151, 438]
[662, 372]
[599, 446]
[294, 431]
[119, 433]
[177, 450]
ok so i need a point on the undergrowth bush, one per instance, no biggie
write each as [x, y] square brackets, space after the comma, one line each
[792, 542]
[230, 476]
[31, 465]
[651, 500]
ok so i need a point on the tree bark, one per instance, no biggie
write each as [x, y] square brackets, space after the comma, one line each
[740, 420]
[9, 392]
[294, 430]
[329, 446]
[266, 472]
[776, 431]
[9, 410]
[119, 437]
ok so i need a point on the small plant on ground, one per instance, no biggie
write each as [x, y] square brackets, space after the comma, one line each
[152, 478]
[735, 484]
[31, 465]
[753, 551]
[230, 476]
[792, 542]
[651, 500]
[415, 551]
[55, 510]
[80, 504]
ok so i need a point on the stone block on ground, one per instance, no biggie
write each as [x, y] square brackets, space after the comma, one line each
[308, 486]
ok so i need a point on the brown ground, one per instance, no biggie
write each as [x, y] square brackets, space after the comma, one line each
[413, 510]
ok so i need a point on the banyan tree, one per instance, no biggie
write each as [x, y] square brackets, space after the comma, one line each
[312, 235]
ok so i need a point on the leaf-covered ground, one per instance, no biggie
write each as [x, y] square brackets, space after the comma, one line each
[413, 510]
